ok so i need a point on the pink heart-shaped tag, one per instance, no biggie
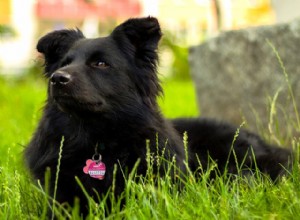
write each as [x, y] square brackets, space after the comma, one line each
[95, 169]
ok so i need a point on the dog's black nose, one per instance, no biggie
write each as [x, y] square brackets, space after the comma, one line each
[61, 78]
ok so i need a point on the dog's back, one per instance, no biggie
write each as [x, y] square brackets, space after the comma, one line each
[231, 147]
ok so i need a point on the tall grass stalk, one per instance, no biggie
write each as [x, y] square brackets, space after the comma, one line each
[232, 151]
[185, 145]
[287, 82]
[272, 116]
[57, 174]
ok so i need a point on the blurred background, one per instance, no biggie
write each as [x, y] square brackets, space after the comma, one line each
[184, 23]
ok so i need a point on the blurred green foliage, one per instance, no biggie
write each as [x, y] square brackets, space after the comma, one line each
[179, 67]
[7, 31]
[179, 99]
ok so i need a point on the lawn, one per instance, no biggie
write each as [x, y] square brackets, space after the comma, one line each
[21, 103]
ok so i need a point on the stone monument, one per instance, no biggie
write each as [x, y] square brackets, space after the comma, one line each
[238, 75]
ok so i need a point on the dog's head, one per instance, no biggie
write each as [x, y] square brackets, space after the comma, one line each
[103, 74]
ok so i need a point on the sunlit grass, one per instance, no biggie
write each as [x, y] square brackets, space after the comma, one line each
[145, 198]
[179, 99]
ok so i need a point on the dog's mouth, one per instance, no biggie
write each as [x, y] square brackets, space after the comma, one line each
[72, 104]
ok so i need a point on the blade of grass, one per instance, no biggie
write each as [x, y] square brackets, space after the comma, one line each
[287, 81]
[57, 174]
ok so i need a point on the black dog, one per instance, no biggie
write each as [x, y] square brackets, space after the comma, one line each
[102, 100]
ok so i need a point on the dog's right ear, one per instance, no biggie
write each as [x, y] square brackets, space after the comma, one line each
[55, 45]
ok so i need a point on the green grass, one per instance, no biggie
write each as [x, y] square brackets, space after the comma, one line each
[179, 99]
[146, 198]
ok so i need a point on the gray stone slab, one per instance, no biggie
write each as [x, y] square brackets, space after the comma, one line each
[237, 74]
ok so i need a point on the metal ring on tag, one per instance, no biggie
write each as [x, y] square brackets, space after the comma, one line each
[99, 159]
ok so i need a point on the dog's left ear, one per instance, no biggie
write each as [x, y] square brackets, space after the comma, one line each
[138, 38]
[143, 35]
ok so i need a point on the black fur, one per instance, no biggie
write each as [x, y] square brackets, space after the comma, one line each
[209, 138]
[103, 92]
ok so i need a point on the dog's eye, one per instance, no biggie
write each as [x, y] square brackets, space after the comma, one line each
[100, 64]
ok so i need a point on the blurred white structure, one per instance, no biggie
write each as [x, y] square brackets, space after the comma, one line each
[286, 10]
[16, 53]
[190, 20]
